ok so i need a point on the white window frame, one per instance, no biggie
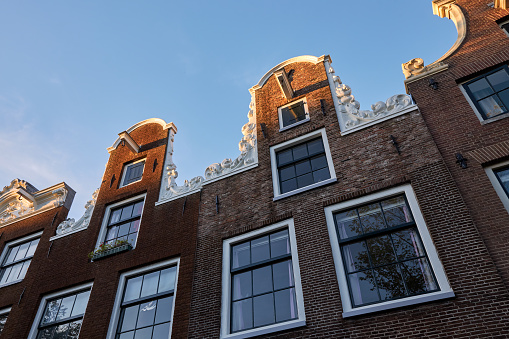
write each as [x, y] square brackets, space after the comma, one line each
[280, 116]
[9, 244]
[104, 226]
[115, 315]
[4, 311]
[42, 306]
[287, 144]
[124, 172]
[490, 172]
[226, 284]
[349, 311]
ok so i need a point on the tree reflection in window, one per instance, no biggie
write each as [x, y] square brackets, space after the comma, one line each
[383, 253]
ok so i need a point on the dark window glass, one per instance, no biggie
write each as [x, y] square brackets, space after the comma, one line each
[302, 165]
[16, 262]
[3, 320]
[505, 27]
[490, 92]
[62, 317]
[147, 305]
[263, 288]
[124, 223]
[133, 172]
[503, 177]
[382, 252]
[293, 113]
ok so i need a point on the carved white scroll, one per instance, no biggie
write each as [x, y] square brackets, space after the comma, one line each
[70, 225]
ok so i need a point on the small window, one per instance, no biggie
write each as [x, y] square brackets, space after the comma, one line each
[383, 252]
[16, 259]
[489, 93]
[293, 114]
[263, 285]
[504, 24]
[4, 313]
[60, 314]
[499, 177]
[133, 172]
[301, 164]
[145, 301]
[124, 223]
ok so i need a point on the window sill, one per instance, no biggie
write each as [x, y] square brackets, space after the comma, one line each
[112, 251]
[11, 283]
[130, 183]
[293, 125]
[495, 118]
[304, 189]
[418, 299]
[266, 330]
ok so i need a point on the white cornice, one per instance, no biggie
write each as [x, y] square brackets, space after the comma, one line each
[302, 58]
[161, 122]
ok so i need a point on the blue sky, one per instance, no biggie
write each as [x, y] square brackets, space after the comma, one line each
[73, 74]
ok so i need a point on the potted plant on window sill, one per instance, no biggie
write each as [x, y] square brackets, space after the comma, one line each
[105, 250]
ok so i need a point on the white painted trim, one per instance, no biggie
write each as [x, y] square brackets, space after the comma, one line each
[226, 284]
[374, 122]
[42, 305]
[115, 315]
[332, 87]
[280, 118]
[14, 243]
[104, 224]
[66, 234]
[124, 171]
[449, 9]
[275, 176]
[503, 23]
[5, 310]
[302, 58]
[496, 183]
[436, 265]
[161, 122]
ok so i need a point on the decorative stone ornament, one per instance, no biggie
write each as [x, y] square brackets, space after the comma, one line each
[71, 226]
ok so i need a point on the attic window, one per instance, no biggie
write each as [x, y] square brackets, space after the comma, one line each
[293, 114]
[133, 172]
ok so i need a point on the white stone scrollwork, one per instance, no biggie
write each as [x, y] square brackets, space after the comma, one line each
[416, 67]
[61, 195]
[71, 225]
[349, 112]
[16, 209]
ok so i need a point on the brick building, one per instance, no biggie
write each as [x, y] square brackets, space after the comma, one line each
[332, 222]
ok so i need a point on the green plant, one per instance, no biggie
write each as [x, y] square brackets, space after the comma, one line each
[105, 247]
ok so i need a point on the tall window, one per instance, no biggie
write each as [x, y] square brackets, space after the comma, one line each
[144, 306]
[490, 92]
[124, 222]
[16, 258]
[264, 290]
[292, 114]
[503, 177]
[133, 172]
[499, 177]
[4, 313]
[383, 253]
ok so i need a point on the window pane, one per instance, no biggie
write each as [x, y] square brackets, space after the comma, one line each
[418, 276]
[164, 310]
[318, 162]
[315, 146]
[371, 218]
[3, 320]
[302, 167]
[492, 106]
[348, 224]
[133, 288]
[23, 249]
[284, 157]
[80, 304]
[263, 310]
[390, 282]
[363, 288]
[396, 211]
[321, 175]
[381, 250]
[293, 114]
[167, 279]
[112, 233]
[24, 269]
[32, 248]
[407, 244]
[286, 305]
[74, 329]
[356, 256]
[504, 96]
[46, 333]
[242, 285]
[499, 80]
[134, 226]
[51, 311]
[127, 335]
[129, 316]
[12, 254]
[60, 331]
[138, 207]
[305, 180]
[300, 152]
[65, 307]
[146, 314]
[262, 280]
[145, 333]
[289, 185]
[242, 315]
[4, 275]
[279, 244]
[16, 269]
[480, 88]
[287, 173]
[150, 282]
[126, 212]
[283, 274]
[123, 229]
[503, 176]
[161, 331]
[241, 255]
[260, 249]
[115, 216]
